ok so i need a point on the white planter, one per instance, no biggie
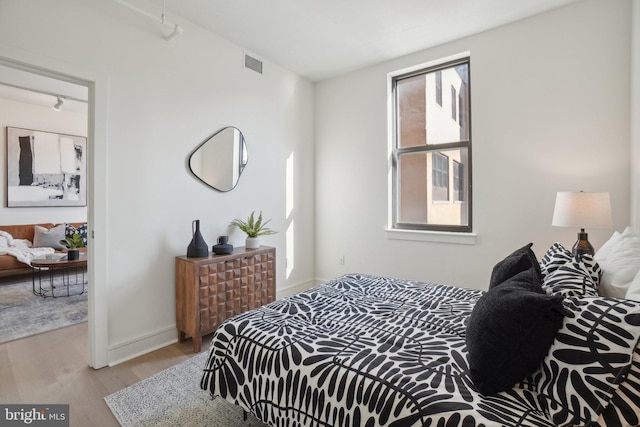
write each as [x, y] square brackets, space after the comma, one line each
[252, 242]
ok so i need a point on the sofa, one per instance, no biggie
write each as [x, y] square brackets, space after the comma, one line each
[9, 265]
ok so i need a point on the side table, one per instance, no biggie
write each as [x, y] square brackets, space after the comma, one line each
[211, 289]
[72, 273]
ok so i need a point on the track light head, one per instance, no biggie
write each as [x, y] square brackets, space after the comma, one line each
[58, 104]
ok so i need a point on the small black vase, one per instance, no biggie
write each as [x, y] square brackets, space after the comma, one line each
[223, 247]
[198, 247]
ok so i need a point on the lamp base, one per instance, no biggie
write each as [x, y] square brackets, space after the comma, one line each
[582, 246]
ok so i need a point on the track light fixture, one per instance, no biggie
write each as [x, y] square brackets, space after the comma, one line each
[176, 29]
[59, 103]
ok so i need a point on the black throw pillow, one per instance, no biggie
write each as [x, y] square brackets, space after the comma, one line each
[520, 260]
[510, 331]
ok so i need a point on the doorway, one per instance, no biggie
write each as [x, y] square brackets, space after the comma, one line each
[36, 70]
[45, 152]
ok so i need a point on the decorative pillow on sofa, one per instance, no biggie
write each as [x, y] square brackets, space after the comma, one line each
[48, 238]
[510, 331]
[82, 231]
[520, 260]
[620, 262]
[589, 358]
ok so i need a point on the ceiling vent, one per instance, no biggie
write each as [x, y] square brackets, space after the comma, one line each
[253, 63]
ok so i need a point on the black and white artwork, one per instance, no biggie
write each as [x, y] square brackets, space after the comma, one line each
[45, 169]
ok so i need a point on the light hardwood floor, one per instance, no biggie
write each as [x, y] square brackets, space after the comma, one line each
[53, 368]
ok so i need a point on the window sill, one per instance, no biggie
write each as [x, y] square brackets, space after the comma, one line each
[432, 236]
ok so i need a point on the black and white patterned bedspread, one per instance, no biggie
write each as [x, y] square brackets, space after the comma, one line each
[372, 351]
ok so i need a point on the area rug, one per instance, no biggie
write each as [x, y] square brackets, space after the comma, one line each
[173, 398]
[23, 314]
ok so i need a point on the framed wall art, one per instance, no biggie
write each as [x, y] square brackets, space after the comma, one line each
[45, 169]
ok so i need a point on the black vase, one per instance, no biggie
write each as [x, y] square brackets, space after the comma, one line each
[223, 247]
[198, 247]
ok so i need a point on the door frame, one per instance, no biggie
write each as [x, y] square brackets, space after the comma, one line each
[97, 83]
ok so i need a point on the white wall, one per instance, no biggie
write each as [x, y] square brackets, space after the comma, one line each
[28, 116]
[550, 112]
[635, 113]
[164, 99]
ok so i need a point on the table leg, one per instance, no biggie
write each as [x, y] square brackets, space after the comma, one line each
[36, 271]
[51, 278]
[65, 272]
[78, 273]
[33, 282]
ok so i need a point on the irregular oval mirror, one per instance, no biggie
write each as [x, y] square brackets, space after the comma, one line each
[220, 160]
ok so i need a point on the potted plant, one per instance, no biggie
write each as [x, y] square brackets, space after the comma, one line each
[254, 228]
[73, 244]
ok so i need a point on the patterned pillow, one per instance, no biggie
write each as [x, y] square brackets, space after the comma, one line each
[593, 268]
[567, 275]
[585, 365]
[576, 277]
[624, 407]
[555, 258]
[82, 231]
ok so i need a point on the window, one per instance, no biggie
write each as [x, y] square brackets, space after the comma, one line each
[454, 104]
[458, 181]
[439, 87]
[431, 159]
[461, 113]
[440, 177]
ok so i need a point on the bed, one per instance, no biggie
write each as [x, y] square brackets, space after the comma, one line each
[364, 350]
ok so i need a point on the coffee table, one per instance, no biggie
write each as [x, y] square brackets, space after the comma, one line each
[72, 272]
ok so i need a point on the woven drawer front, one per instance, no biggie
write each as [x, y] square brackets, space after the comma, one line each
[232, 287]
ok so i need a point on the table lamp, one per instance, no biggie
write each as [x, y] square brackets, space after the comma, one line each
[582, 210]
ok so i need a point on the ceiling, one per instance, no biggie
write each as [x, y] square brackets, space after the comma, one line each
[30, 88]
[319, 39]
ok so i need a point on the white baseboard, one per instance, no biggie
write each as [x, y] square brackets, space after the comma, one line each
[147, 343]
[144, 344]
[294, 289]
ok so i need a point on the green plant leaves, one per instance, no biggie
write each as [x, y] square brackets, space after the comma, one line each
[253, 227]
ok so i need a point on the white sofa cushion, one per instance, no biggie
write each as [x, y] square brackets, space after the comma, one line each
[49, 238]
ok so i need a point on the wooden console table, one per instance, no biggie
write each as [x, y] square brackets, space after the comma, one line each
[213, 288]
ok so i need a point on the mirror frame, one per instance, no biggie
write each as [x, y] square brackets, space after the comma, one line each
[241, 165]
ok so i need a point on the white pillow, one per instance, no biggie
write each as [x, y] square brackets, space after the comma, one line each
[621, 264]
[605, 250]
[634, 289]
[48, 238]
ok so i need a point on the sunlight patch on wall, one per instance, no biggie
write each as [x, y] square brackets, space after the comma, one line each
[289, 184]
[289, 210]
[289, 250]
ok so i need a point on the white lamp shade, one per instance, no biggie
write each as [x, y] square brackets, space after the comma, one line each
[582, 210]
